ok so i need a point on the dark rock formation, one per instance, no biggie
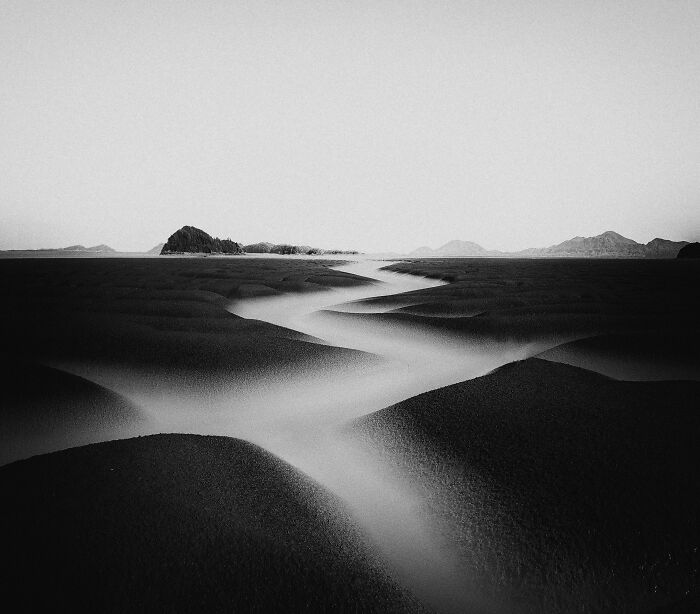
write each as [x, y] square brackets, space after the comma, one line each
[196, 237]
[691, 250]
[195, 241]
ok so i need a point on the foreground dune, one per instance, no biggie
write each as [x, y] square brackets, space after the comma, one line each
[564, 490]
[182, 523]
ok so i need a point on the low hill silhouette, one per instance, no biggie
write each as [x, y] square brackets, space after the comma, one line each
[609, 244]
[193, 240]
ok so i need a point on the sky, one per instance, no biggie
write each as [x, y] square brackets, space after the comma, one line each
[378, 126]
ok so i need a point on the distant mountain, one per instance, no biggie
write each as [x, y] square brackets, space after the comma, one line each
[192, 240]
[692, 250]
[452, 249]
[663, 248]
[95, 249]
[157, 249]
[612, 245]
[101, 249]
[606, 245]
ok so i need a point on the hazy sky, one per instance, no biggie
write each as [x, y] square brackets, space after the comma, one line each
[371, 125]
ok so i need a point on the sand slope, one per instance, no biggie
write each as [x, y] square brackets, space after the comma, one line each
[642, 356]
[146, 327]
[182, 523]
[564, 490]
[44, 409]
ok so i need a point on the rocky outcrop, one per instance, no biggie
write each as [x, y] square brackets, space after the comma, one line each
[691, 250]
[192, 240]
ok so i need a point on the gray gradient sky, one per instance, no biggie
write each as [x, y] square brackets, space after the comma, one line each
[372, 125]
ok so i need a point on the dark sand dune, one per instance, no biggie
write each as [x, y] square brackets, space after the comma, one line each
[44, 409]
[564, 490]
[641, 356]
[162, 320]
[182, 523]
[158, 332]
[555, 299]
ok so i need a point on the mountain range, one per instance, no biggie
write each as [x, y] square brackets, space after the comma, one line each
[606, 245]
[95, 249]
[192, 240]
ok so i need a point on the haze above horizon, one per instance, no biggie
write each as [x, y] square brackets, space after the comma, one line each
[377, 126]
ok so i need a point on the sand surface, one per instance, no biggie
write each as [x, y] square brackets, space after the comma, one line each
[643, 356]
[286, 353]
[562, 489]
[182, 523]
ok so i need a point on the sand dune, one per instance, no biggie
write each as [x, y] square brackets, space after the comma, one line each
[182, 523]
[523, 297]
[147, 327]
[44, 410]
[634, 357]
[511, 492]
[562, 489]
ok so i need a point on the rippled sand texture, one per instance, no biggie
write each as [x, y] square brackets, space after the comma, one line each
[479, 483]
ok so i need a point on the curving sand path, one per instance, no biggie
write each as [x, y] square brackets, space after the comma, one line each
[304, 421]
